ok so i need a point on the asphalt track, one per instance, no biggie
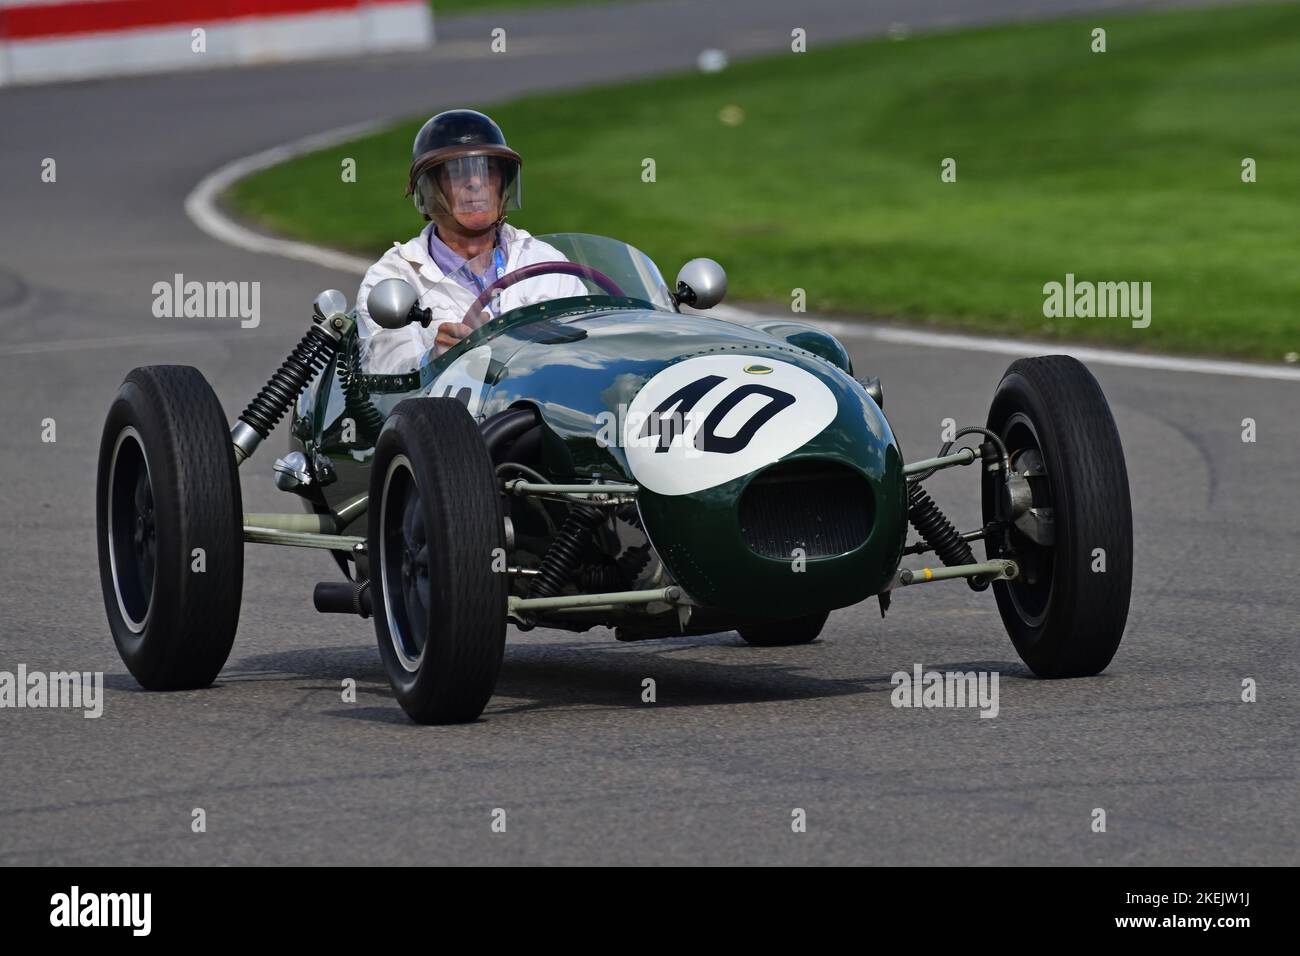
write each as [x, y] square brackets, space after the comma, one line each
[586, 772]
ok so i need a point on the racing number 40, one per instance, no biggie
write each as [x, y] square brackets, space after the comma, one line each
[667, 426]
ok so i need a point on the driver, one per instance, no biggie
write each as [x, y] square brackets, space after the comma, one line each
[463, 179]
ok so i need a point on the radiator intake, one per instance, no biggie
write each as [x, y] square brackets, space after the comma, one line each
[821, 507]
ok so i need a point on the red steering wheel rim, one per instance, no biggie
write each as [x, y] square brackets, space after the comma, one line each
[535, 269]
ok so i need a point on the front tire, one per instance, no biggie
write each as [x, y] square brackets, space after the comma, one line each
[436, 530]
[169, 522]
[1067, 610]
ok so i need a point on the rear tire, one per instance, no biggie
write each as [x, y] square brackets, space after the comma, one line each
[799, 630]
[1065, 619]
[167, 486]
[435, 524]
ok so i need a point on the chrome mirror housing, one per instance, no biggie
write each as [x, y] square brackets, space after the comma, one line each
[390, 303]
[701, 284]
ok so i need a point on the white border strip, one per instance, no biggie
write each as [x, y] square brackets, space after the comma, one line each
[233, 39]
[201, 207]
[201, 204]
[125, 341]
[1026, 347]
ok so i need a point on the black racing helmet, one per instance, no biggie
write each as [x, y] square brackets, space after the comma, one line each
[462, 167]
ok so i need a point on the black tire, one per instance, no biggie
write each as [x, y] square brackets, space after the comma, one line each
[435, 522]
[799, 630]
[168, 484]
[1065, 619]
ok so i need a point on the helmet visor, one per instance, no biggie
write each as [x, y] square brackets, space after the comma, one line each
[476, 190]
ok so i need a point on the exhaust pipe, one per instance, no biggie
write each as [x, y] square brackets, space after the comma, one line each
[343, 597]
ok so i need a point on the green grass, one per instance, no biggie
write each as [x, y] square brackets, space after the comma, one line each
[1117, 166]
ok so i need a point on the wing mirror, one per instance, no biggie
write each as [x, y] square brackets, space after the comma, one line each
[391, 303]
[701, 283]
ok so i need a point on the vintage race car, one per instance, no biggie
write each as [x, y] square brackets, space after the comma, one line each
[602, 458]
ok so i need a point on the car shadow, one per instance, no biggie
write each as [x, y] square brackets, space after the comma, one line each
[604, 675]
[601, 674]
[543, 677]
[1004, 669]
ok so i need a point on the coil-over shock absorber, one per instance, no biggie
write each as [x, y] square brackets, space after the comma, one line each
[933, 525]
[564, 552]
[329, 324]
[621, 571]
[370, 420]
[938, 532]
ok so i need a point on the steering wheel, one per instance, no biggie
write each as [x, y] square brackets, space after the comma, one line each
[534, 269]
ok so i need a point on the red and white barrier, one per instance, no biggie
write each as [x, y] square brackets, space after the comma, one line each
[44, 40]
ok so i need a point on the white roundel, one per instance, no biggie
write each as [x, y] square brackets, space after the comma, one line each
[708, 420]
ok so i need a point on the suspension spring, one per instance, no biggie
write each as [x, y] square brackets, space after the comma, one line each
[633, 561]
[309, 356]
[938, 532]
[602, 577]
[562, 555]
[355, 401]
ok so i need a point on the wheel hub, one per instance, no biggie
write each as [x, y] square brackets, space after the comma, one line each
[132, 529]
[405, 557]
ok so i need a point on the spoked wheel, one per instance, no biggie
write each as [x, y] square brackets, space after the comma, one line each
[436, 528]
[1066, 610]
[799, 630]
[170, 528]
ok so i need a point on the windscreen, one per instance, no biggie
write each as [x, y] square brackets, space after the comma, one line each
[544, 268]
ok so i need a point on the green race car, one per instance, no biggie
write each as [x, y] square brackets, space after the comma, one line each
[598, 459]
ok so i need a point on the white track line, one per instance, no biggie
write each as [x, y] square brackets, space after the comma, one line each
[126, 341]
[201, 203]
[201, 207]
[1026, 347]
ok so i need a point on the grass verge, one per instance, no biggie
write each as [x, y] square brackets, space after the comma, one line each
[821, 171]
